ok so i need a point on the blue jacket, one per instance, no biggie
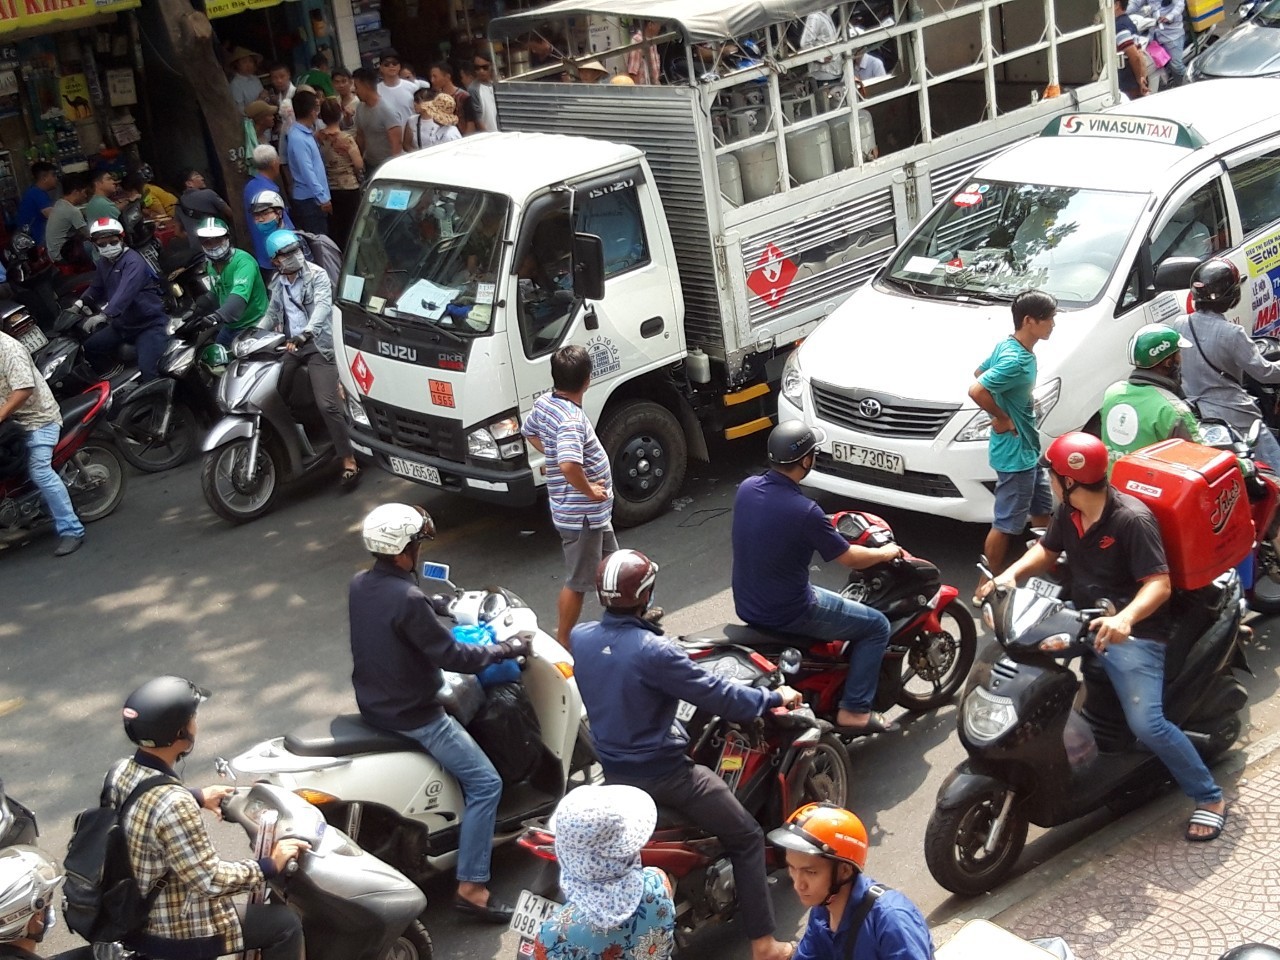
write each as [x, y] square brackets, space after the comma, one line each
[893, 930]
[632, 678]
[128, 292]
[251, 191]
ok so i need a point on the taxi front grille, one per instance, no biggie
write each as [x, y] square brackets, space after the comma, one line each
[416, 432]
[880, 415]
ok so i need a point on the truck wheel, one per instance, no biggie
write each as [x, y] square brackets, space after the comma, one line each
[648, 456]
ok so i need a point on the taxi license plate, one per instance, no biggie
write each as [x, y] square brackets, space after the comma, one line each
[685, 711]
[1044, 588]
[33, 339]
[531, 910]
[415, 471]
[867, 457]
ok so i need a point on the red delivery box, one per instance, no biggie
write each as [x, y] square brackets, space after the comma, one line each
[1197, 494]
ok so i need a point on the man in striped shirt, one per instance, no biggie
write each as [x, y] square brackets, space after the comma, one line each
[579, 484]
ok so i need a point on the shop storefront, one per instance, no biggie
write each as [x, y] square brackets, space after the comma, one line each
[285, 31]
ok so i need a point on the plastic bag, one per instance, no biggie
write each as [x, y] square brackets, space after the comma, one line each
[461, 696]
[508, 731]
[1055, 945]
[505, 671]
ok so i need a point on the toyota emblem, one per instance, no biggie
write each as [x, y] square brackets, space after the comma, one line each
[870, 408]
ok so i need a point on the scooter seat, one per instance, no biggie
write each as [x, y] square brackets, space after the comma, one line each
[74, 408]
[345, 736]
[757, 638]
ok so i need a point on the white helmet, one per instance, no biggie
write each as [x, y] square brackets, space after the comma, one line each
[105, 225]
[390, 528]
[29, 879]
[267, 200]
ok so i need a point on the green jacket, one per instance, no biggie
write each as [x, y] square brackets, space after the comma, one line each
[1143, 410]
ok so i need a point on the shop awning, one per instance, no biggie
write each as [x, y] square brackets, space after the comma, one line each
[18, 15]
[696, 20]
[226, 8]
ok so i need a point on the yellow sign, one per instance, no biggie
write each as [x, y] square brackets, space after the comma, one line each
[74, 91]
[21, 14]
[226, 8]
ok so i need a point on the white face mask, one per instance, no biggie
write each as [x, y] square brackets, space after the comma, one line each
[111, 251]
[219, 253]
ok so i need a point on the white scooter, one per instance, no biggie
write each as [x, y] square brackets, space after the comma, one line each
[389, 795]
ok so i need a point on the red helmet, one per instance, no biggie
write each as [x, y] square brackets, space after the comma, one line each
[1080, 456]
[623, 577]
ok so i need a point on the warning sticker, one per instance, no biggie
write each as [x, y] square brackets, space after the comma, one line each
[361, 373]
[772, 277]
[441, 392]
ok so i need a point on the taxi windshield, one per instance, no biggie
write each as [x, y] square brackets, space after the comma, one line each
[992, 240]
[427, 254]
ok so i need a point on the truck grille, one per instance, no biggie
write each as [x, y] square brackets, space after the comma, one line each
[921, 484]
[914, 419]
[416, 432]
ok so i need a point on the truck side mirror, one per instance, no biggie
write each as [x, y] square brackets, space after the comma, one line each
[588, 266]
[1174, 273]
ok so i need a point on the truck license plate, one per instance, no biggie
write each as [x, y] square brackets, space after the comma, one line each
[531, 910]
[415, 471]
[867, 457]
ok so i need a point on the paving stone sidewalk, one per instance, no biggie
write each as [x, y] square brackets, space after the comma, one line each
[1154, 896]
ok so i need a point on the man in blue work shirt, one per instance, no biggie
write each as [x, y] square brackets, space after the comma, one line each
[311, 206]
[632, 679]
[265, 182]
[776, 530]
[37, 202]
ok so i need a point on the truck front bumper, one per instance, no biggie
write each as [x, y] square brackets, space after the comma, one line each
[512, 488]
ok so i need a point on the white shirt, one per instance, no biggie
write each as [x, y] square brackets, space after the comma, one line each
[486, 106]
[399, 98]
[819, 30]
[869, 67]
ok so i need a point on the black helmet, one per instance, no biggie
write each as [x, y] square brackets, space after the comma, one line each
[793, 440]
[1251, 951]
[1216, 284]
[158, 711]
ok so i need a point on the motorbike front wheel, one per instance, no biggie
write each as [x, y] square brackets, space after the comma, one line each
[1265, 595]
[413, 944]
[95, 479]
[226, 484]
[936, 664]
[140, 445]
[825, 774]
[955, 845]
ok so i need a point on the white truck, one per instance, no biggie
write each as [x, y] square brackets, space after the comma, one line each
[687, 234]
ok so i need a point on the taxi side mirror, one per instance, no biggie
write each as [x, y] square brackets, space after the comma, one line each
[588, 266]
[1174, 273]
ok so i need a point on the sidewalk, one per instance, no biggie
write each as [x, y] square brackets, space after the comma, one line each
[1145, 893]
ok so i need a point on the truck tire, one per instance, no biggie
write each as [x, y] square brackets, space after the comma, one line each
[648, 456]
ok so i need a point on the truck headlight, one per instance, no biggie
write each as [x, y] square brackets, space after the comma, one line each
[793, 379]
[500, 440]
[355, 410]
[987, 716]
[1044, 398]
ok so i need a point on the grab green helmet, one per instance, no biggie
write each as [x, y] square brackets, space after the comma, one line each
[215, 358]
[1153, 344]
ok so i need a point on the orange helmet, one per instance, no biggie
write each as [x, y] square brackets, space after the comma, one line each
[825, 830]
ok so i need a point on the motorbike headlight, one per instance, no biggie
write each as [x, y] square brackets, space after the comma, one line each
[243, 346]
[988, 716]
[793, 380]
[500, 440]
[49, 367]
[355, 410]
[1044, 399]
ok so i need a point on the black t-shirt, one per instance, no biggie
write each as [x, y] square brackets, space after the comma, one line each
[1113, 557]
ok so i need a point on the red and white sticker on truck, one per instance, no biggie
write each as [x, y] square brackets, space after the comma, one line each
[772, 277]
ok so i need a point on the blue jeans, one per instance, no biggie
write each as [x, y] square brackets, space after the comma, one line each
[1136, 670]
[1267, 449]
[832, 617]
[1175, 68]
[40, 444]
[453, 749]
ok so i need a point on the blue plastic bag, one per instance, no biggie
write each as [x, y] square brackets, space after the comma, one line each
[505, 671]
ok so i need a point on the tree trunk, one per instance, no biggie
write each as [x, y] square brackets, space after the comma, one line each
[194, 48]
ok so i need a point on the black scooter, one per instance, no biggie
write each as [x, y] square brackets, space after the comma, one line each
[1040, 754]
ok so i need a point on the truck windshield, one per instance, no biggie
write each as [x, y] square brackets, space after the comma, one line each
[992, 240]
[427, 253]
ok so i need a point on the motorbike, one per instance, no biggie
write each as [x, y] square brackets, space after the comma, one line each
[774, 765]
[36, 281]
[89, 466]
[932, 639]
[391, 796]
[1038, 753]
[65, 366]
[257, 445]
[17, 823]
[182, 272]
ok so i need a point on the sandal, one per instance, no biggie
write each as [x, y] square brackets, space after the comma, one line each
[876, 723]
[1206, 818]
[349, 478]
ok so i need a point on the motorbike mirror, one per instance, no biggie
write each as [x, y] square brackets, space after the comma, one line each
[1106, 606]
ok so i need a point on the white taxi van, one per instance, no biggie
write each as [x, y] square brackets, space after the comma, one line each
[1105, 211]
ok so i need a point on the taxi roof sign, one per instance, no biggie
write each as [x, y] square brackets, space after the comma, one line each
[1121, 127]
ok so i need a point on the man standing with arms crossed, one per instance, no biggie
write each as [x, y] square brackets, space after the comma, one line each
[1003, 390]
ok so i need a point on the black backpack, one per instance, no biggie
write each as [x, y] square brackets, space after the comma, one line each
[101, 898]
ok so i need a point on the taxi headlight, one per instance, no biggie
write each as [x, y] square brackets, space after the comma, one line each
[987, 716]
[793, 379]
[1044, 399]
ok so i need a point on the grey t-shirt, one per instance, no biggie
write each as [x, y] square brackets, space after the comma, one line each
[64, 220]
[374, 122]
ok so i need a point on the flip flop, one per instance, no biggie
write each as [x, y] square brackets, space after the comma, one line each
[349, 479]
[1206, 818]
[876, 723]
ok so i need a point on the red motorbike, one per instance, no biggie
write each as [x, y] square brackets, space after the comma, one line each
[932, 638]
[90, 467]
[773, 764]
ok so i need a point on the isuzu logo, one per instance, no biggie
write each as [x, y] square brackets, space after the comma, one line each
[870, 408]
[398, 351]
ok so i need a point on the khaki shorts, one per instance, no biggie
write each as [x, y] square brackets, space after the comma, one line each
[584, 548]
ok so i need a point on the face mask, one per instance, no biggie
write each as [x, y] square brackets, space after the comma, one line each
[268, 228]
[1175, 370]
[111, 251]
[219, 253]
[292, 263]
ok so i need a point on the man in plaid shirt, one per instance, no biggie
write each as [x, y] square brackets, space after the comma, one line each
[192, 917]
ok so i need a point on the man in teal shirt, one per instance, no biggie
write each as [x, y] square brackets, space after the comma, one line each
[1003, 390]
[1149, 406]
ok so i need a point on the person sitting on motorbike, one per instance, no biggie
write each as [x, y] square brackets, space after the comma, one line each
[632, 679]
[300, 306]
[237, 282]
[1149, 406]
[851, 917]
[776, 530]
[1114, 550]
[398, 650]
[131, 299]
[29, 883]
[1221, 354]
[614, 906]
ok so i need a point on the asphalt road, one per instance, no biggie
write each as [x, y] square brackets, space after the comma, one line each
[258, 614]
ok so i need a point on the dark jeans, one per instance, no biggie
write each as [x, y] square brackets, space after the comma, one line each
[272, 928]
[308, 216]
[324, 388]
[101, 347]
[345, 205]
[706, 800]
